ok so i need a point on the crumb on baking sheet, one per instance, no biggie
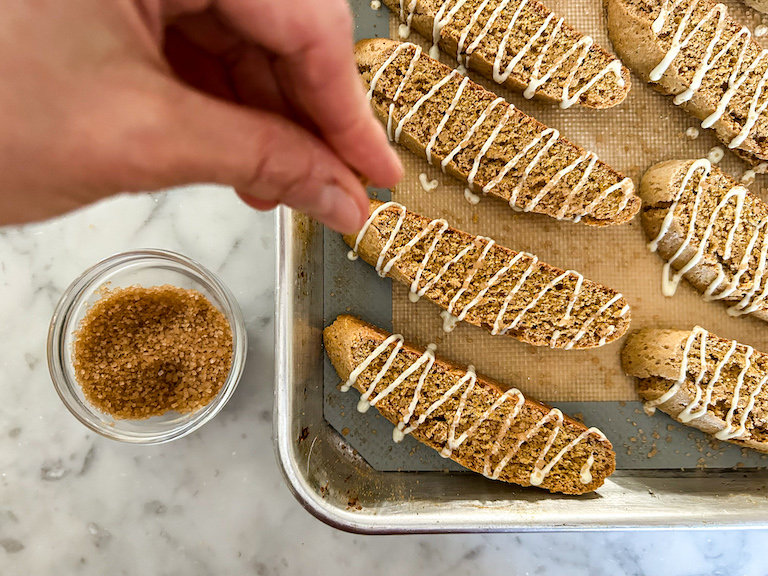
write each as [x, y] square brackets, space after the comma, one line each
[140, 352]
[716, 154]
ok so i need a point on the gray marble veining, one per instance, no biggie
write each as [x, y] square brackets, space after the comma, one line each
[214, 503]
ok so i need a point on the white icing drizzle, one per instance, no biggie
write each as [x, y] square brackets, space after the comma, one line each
[544, 140]
[471, 197]
[718, 289]
[405, 29]
[538, 77]
[420, 102]
[449, 321]
[702, 398]
[481, 246]
[591, 319]
[466, 385]
[403, 82]
[697, 330]
[715, 155]
[426, 184]
[470, 133]
[445, 118]
[441, 19]
[729, 431]
[487, 145]
[586, 471]
[709, 60]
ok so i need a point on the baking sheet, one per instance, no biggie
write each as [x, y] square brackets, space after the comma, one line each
[645, 129]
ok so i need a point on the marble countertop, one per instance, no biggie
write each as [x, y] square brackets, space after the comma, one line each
[214, 502]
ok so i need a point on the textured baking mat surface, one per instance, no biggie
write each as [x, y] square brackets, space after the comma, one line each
[646, 128]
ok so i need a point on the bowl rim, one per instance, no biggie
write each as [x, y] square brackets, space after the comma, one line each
[86, 283]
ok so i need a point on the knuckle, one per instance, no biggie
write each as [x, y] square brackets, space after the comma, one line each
[288, 173]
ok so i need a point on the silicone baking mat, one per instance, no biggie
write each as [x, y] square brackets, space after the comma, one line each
[646, 128]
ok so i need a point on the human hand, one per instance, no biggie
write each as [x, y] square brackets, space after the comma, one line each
[124, 95]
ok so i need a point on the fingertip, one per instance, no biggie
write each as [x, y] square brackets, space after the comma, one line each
[389, 168]
[343, 210]
[395, 167]
[363, 204]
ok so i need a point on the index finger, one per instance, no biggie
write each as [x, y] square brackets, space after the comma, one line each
[314, 45]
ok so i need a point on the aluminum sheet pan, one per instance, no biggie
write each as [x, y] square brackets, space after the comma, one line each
[345, 470]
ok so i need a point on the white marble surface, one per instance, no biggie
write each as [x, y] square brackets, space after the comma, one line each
[214, 503]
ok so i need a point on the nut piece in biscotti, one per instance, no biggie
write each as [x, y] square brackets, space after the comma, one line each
[694, 51]
[485, 142]
[471, 419]
[477, 281]
[710, 230]
[710, 383]
[521, 45]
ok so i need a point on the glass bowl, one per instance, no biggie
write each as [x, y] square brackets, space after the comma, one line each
[144, 268]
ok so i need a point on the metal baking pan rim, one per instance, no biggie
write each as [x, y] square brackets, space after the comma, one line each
[390, 518]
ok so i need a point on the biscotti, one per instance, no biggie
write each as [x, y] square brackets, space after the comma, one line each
[709, 230]
[487, 143]
[521, 45]
[692, 50]
[477, 281]
[710, 383]
[471, 419]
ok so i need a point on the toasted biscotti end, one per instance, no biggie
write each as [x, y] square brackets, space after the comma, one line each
[492, 419]
[723, 395]
[488, 285]
[661, 184]
[652, 353]
[578, 70]
[370, 52]
[627, 21]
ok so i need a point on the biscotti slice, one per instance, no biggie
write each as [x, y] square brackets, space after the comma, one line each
[477, 281]
[693, 50]
[710, 383]
[471, 419]
[711, 231]
[487, 143]
[521, 45]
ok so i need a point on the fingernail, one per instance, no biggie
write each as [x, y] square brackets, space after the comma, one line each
[392, 161]
[337, 209]
[397, 165]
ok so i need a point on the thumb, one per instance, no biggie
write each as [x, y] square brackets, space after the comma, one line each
[265, 157]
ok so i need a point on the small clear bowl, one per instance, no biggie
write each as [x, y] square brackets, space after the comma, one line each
[144, 268]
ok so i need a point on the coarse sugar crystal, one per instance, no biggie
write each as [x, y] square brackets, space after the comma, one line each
[144, 351]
